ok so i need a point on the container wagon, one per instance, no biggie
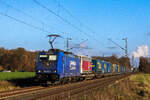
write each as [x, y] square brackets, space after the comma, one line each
[86, 67]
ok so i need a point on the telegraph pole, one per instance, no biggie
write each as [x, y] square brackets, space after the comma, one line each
[126, 46]
[67, 49]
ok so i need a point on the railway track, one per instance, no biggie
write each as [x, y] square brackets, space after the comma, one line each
[67, 91]
[19, 91]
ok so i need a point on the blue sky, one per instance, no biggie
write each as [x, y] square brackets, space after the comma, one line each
[113, 19]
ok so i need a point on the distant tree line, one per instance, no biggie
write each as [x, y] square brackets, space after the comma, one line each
[22, 60]
[144, 65]
[17, 59]
[122, 61]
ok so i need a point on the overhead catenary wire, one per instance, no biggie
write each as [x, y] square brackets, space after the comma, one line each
[67, 11]
[58, 16]
[25, 23]
[30, 16]
[65, 20]
[75, 18]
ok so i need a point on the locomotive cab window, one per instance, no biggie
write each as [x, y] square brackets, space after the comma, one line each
[52, 58]
[48, 60]
[43, 57]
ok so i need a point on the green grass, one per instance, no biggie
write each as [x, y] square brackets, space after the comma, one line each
[15, 75]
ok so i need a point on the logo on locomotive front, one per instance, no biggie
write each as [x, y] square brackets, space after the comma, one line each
[72, 65]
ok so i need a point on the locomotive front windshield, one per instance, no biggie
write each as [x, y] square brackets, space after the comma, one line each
[43, 57]
[48, 57]
[52, 57]
[48, 60]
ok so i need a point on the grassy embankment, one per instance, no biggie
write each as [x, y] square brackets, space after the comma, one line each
[15, 75]
[135, 87]
[6, 79]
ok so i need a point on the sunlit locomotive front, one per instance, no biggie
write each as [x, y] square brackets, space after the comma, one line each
[46, 66]
[57, 65]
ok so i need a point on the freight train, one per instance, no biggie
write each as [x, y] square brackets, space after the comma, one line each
[58, 65]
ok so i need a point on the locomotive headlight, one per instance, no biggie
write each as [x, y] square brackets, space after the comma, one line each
[39, 71]
[47, 64]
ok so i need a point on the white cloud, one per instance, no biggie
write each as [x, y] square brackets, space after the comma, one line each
[142, 51]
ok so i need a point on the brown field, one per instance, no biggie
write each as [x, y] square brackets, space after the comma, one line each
[5, 85]
[135, 87]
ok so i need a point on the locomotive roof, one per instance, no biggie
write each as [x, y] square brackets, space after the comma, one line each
[59, 50]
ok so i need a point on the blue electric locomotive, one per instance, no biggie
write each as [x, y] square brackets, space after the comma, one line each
[56, 65]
